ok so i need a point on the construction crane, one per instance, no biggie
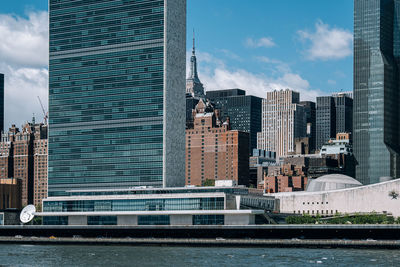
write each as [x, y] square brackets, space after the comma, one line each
[45, 114]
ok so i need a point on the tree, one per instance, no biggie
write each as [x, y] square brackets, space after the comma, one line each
[209, 182]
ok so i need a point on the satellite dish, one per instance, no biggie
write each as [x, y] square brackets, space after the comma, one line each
[27, 214]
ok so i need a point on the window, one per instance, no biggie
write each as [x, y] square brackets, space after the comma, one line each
[208, 219]
[102, 220]
[154, 220]
[55, 220]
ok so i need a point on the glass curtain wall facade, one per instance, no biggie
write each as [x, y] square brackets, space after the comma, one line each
[211, 203]
[376, 89]
[117, 94]
[326, 120]
[244, 111]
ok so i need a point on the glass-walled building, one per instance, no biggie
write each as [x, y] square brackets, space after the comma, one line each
[376, 89]
[244, 111]
[175, 206]
[117, 94]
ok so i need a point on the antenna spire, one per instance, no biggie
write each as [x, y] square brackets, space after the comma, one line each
[193, 51]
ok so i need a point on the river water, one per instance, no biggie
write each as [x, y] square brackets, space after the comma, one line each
[71, 255]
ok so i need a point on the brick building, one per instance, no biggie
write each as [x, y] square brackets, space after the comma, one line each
[24, 158]
[213, 151]
[290, 178]
[23, 161]
[40, 164]
[10, 193]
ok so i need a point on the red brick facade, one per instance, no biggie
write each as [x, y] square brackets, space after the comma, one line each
[213, 151]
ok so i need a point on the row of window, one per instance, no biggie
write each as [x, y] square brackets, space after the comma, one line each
[98, 28]
[312, 203]
[110, 57]
[81, 133]
[104, 96]
[106, 164]
[101, 8]
[81, 151]
[114, 64]
[152, 137]
[316, 212]
[139, 73]
[142, 220]
[99, 43]
[210, 203]
[116, 110]
[65, 96]
[119, 116]
[82, 157]
[139, 174]
[87, 23]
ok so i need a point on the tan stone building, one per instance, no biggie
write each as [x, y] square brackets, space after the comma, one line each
[283, 120]
[213, 151]
[6, 158]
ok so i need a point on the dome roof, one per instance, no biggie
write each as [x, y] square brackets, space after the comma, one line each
[332, 182]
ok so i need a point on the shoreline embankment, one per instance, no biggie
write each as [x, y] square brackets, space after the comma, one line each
[205, 242]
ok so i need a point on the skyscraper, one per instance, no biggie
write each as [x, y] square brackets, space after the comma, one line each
[376, 89]
[283, 119]
[334, 115]
[344, 113]
[1, 102]
[117, 97]
[193, 85]
[311, 116]
[213, 151]
[326, 120]
[244, 111]
[194, 88]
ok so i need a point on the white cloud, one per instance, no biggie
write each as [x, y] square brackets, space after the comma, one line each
[24, 41]
[327, 43]
[215, 75]
[279, 66]
[22, 86]
[262, 42]
[24, 62]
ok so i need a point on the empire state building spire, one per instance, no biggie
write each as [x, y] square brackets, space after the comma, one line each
[193, 85]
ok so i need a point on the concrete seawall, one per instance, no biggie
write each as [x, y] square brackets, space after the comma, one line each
[203, 242]
[254, 232]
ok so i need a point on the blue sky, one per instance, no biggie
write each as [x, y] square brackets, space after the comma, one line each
[256, 45]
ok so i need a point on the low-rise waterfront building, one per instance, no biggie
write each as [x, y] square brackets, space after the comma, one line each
[151, 206]
[334, 194]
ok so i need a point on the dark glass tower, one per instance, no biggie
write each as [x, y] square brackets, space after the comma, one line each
[376, 89]
[311, 114]
[326, 120]
[117, 94]
[334, 115]
[244, 111]
[1, 102]
[344, 113]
